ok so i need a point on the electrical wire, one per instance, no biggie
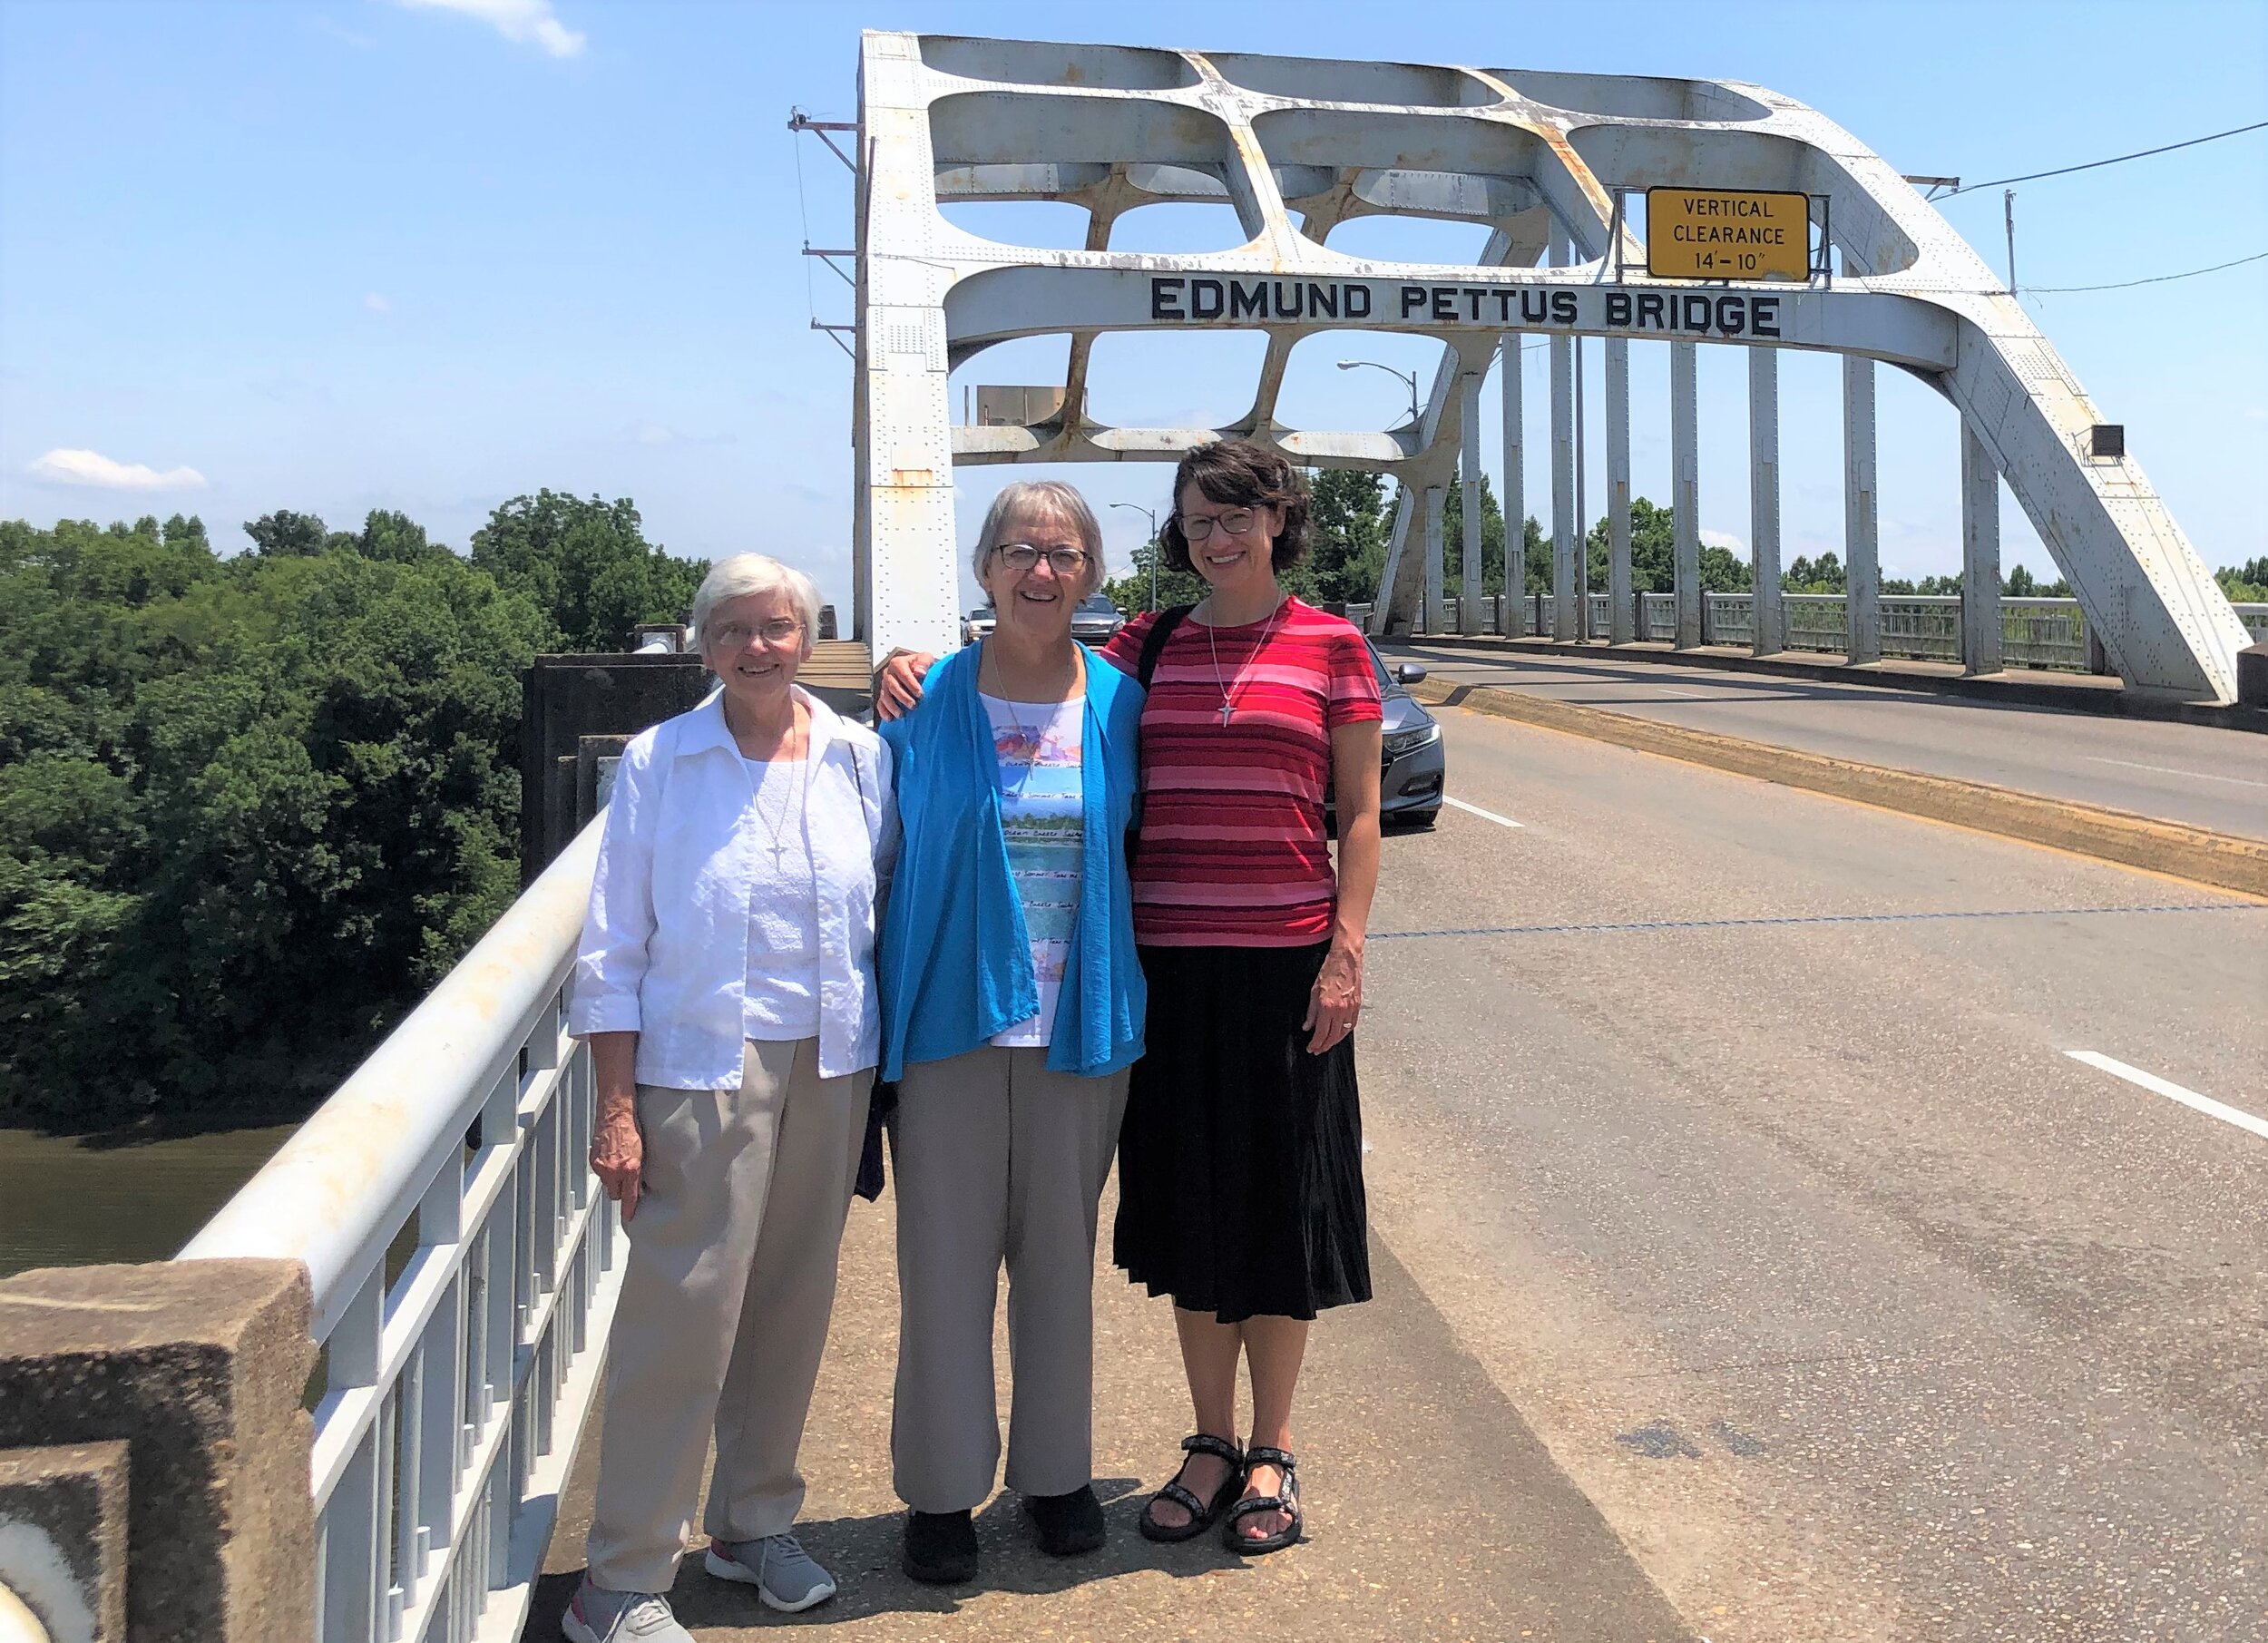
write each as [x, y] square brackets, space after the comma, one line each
[2235, 130]
[2061, 291]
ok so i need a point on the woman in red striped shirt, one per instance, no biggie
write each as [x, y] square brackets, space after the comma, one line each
[1240, 1183]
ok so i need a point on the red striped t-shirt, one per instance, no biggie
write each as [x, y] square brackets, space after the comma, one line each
[1234, 852]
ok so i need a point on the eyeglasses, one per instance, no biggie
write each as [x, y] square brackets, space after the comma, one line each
[1196, 527]
[779, 631]
[1021, 556]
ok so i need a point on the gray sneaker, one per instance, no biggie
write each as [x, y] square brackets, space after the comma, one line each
[782, 1573]
[599, 1616]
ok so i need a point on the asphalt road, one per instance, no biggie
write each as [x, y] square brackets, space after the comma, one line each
[2186, 772]
[1733, 1130]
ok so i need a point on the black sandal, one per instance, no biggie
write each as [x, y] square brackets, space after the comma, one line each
[1201, 1515]
[1286, 1499]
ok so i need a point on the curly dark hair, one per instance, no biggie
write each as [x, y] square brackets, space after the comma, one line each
[1237, 471]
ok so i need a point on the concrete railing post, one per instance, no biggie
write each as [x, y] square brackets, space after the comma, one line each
[151, 1432]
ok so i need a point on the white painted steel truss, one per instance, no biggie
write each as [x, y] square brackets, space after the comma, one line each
[1296, 146]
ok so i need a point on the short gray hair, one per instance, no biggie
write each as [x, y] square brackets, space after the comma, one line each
[746, 573]
[1042, 496]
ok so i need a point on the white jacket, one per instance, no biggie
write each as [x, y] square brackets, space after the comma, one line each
[665, 945]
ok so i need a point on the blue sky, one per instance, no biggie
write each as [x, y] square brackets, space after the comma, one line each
[428, 255]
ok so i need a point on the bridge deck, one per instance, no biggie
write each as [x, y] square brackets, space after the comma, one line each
[1754, 1263]
[2204, 777]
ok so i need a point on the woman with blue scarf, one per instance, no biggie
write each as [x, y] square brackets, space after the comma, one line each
[1013, 1006]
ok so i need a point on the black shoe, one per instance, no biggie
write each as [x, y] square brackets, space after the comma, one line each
[1067, 1524]
[941, 1547]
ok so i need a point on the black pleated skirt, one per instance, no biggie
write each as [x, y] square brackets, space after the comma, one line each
[1240, 1163]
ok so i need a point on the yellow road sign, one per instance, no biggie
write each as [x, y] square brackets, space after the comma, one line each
[1727, 234]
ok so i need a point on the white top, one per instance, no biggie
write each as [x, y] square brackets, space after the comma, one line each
[1043, 815]
[665, 945]
[783, 980]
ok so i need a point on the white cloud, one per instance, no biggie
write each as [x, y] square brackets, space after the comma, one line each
[523, 22]
[1722, 539]
[94, 468]
[376, 304]
[653, 432]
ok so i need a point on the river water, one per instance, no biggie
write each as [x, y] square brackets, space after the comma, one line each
[65, 1203]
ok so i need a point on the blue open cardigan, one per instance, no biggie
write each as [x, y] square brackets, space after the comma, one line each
[955, 960]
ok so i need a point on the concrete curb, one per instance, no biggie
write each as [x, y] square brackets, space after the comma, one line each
[2073, 693]
[2218, 859]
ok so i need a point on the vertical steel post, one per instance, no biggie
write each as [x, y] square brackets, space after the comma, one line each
[1768, 615]
[1861, 605]
[1563, 625]
[1471, 583]
[1621, 628]
[1685, 489]
[1515, 491]
[1981, 631]
[1436, 606]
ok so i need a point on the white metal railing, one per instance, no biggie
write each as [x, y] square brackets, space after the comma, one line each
[465, 1267]
[2049, 633]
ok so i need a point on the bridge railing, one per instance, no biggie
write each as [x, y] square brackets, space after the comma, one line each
[465, 1268]
[2049, 633]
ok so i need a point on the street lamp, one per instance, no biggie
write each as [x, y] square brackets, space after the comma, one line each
[1408, 377]
[1151, 514]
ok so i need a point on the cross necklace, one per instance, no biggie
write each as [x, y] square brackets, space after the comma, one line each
[1228, 691]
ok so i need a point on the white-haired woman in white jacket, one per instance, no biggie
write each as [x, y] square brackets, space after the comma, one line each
[726, 981]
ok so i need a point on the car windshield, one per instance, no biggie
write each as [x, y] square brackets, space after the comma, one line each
[1386, 683]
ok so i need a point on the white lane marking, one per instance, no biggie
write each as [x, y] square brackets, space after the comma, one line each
[2173, 1093]
[1502, 821]
[2168, 770]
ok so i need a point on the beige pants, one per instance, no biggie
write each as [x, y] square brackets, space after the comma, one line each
[724, 1308]
[999, 1160]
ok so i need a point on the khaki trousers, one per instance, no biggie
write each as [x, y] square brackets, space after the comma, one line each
[999, 1161]
[724, 1307]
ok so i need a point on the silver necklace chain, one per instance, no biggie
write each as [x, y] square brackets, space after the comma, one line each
[1227, 699]
[777, 836]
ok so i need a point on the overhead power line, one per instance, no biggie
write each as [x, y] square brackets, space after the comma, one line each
[2235, 131]
[2036, 290]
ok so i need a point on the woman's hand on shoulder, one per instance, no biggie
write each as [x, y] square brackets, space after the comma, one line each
[898, 682]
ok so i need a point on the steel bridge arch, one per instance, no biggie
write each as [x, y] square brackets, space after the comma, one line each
[1536, 157]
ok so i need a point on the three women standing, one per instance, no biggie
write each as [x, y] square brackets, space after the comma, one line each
[726, 981]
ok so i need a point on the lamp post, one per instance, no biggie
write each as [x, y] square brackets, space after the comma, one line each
[1408, 377]
[1150, 515]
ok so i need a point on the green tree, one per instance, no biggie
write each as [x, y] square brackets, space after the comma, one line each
[2245, 585]
[589, 563]
[250, 808]
[1491, 566]
[1348, 527]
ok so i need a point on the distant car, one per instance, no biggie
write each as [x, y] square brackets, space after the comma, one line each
[1094, 622]
[1096, 619]
[1410, 786]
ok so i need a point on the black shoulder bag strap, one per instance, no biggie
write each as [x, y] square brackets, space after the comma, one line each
[1145, 670]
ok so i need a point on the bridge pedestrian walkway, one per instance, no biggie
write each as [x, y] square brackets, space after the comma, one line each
[2200, 776]
[1434, 1512]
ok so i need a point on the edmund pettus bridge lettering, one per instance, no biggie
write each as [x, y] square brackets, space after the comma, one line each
[1529, 306]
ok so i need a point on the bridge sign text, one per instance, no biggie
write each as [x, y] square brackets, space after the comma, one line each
[1727, 234]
